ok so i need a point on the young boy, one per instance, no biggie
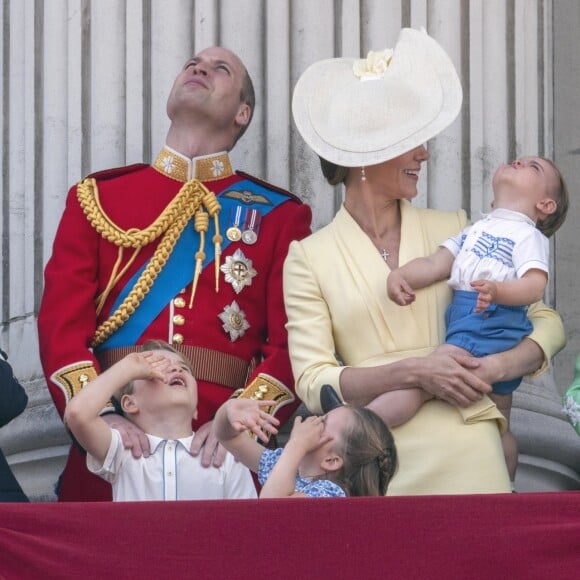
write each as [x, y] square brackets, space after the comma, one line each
[157, 391]
[497, 267]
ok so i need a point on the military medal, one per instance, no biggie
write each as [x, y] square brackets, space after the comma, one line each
[233, 233]
[251, 226]
[234, 321]
[249, 237]
[238, 271]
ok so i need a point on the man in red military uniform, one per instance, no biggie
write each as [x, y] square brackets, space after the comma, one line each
[186, 250]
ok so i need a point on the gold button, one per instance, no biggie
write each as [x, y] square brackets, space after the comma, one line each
[177, 338]
[179, 302]
[179, 320]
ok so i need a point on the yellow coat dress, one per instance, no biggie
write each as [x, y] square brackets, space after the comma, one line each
[339, 315]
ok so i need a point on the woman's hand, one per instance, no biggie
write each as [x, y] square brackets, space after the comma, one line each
[448, 374]
[521, 360]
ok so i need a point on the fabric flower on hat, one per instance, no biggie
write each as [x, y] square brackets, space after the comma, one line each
[373, 66]
[415, 95]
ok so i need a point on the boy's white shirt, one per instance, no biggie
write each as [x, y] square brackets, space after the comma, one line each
[169, 473]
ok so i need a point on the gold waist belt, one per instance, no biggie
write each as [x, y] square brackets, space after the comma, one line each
[208, 365]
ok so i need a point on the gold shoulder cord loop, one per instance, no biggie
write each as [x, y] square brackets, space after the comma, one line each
[213, 209]
[171, 222]
[201, 223]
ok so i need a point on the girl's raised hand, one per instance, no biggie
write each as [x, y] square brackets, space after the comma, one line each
[247, 415]
[309, 433]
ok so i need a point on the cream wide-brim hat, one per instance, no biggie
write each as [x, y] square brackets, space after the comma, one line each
[353, 122]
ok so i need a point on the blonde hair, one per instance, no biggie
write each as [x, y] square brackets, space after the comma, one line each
[369, 456]
[561, 196]
[148, 346]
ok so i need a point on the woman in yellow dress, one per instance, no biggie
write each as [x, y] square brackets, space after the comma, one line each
[368, 120]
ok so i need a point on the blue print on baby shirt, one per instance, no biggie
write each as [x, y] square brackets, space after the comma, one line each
[500, 249]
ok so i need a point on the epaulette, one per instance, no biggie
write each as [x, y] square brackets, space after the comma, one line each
[269, 186]
[117, 171]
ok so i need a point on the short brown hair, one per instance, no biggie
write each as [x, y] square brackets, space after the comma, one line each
[561, 196]
[247, 96]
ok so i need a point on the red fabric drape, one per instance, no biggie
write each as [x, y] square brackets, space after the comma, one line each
[485, 536]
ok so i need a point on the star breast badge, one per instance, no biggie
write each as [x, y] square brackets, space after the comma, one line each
[238, 271]
[234, 321]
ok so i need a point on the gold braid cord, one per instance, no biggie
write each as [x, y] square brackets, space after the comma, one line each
[191, 199]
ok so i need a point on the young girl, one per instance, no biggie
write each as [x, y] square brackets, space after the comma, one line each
[347, 452]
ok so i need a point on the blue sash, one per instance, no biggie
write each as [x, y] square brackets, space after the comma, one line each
[178, 271]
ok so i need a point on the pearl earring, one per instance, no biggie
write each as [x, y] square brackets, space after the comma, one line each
[363, 175]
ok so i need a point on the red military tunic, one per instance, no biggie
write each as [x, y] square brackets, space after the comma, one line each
[235, 336]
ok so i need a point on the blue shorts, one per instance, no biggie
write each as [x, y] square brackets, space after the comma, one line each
[496, 329]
